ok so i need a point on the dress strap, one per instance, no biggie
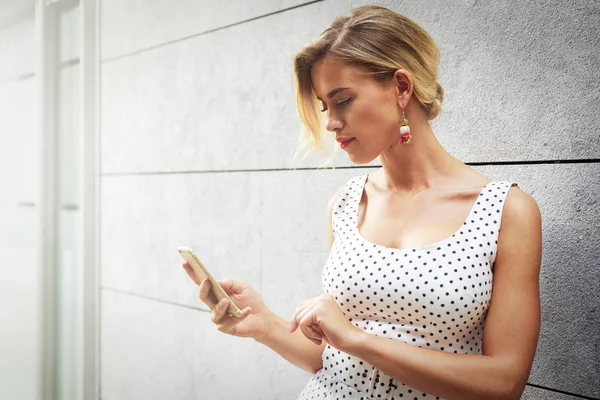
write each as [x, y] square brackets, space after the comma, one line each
[345, 208]
[486, 215]
[491, 199]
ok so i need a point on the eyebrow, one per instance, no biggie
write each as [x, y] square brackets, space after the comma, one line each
[333, 92]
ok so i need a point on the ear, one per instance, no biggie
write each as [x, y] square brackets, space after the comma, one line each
[403, 84]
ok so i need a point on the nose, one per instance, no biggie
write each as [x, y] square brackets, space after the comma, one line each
[333, 124]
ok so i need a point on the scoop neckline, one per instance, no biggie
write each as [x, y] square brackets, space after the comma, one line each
[410, 249]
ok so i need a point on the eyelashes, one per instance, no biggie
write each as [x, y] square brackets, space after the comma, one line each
[343, 103]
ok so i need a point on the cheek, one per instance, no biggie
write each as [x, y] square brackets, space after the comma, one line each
[373, 121]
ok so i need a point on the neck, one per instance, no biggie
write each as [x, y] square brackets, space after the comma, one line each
[419, 165]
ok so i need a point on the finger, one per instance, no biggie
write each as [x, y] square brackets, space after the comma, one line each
[191, 273]
[299, 309]
[314, 333]
[219, 311]
[315, 341]
[310, 331]
[294, 325]
[314, 330]
[231, 286]
[303, 309]
[244, 313]
[318, 330]
[229, 325]
[205, 295]
[310, 334]
[308, 328]
[302, 313]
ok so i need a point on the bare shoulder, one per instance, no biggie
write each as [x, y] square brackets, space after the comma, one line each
[520, 234]
[521, 209]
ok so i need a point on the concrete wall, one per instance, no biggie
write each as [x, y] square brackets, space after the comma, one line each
[198, 126]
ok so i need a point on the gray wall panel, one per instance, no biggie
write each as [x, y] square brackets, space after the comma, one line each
[533, 393]
[156, 351]
[515, 73]
[521, 82]
[567, 357]
[253, 226]
[193, 106]
[145, 219]
[134, 25]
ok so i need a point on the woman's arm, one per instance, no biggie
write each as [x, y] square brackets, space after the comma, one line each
[511, 328]
[294, 347]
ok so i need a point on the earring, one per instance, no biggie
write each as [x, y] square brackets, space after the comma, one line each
[405, 135]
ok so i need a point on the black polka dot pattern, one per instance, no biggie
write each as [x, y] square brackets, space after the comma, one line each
[435, 296]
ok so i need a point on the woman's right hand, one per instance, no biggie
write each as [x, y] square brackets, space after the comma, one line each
[255, 315]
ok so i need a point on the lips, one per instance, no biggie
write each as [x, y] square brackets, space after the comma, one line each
[346, 143]
[343, 139]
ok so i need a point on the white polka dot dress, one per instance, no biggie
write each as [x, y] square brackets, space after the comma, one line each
[435, 296]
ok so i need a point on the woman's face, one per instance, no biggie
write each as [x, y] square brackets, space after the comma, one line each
[359, 108]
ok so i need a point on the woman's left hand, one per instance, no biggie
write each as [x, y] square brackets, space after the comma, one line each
[320, 318]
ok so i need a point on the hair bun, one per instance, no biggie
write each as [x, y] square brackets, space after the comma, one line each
[440, 91]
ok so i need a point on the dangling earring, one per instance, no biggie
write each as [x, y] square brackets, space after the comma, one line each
[405, 135]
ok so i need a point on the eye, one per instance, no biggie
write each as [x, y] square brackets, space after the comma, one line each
[342, 103]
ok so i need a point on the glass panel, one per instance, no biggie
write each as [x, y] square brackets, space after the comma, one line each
[20, 302]
[69, 200]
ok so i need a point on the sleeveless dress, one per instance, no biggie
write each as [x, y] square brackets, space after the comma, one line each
[435, 296]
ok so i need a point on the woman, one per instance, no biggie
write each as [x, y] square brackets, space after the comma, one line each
[416, 249]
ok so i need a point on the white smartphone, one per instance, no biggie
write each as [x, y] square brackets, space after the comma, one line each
[202, 272]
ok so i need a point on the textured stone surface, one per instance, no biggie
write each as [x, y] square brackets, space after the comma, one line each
[568, 356]
[157, 22]
[156, 351]
[278, 244]
[193, 106]
[145, 219]
[294, 234]
[521, 83]
[210, 109]
[533, 393]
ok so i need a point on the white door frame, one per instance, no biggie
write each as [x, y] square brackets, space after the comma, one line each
[90, 88]
[86, 292]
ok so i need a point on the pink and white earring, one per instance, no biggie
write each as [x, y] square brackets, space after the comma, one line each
[405, 135]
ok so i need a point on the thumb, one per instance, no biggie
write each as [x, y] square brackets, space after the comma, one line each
[231, 286]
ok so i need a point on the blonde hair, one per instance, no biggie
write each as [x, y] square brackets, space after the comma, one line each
[379, 41]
